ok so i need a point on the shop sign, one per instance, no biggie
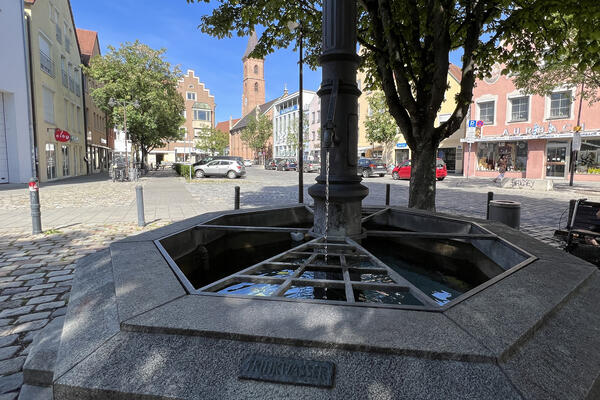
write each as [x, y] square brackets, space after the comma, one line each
[576, 141]
[401, 145]
[61, 136]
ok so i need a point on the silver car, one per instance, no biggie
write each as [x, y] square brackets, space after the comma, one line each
[229, 168]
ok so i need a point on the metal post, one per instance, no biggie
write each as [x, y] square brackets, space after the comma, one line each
[125, 129]
[300, 131]
[34, 200]
[139, 196]
[387, 194]
[572, 204]
[490, 197]
[236, 200]
[574, 152]
[469, 161]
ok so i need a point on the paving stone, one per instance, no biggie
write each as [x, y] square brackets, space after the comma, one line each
[41, 299]
[32, 317]
[60, 278]
[30, 326]
[30, 276]
[11, 382]
[59, 273]
[23, 271]
[2, 298]
[8, 340]
[12, 365]
[57, 290]
[10, 291]
[7, 278]
[9, 396]
[6, 285]
[27, 295]
[7, 352]
[11, 312]
[30, 392]
[5, 321]
[59, 312]
[42, 286]
[50, 305]
[33, 282]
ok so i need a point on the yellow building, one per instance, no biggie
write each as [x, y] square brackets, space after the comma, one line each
[450, 149]
[56, 86]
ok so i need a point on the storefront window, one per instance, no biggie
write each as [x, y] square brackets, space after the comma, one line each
[50, 161]
[65, 159]
[515, 154]
[588, 159]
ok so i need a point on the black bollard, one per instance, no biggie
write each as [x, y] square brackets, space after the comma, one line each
[387, 194]
[34, 201]
[139, 195]
[490, 198]
[236, 202]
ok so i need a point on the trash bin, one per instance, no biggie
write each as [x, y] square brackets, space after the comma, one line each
[506, 211]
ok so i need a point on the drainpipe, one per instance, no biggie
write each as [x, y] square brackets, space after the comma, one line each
[85, 124]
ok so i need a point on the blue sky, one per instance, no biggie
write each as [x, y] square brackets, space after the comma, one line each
[172, 24]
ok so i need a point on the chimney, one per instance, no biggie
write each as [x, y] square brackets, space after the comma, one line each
[230, 122]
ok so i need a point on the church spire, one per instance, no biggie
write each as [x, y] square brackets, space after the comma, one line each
[252, 42]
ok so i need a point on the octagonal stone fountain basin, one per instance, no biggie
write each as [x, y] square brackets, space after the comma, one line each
[135, 329]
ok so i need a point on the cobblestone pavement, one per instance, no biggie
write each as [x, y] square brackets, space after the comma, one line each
[36, 271]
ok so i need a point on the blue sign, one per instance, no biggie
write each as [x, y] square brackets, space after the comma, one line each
[401, 145]
[480, 123]
[472, 123]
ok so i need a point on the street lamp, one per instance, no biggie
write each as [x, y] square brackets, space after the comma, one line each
[112, 102]
[296, 26]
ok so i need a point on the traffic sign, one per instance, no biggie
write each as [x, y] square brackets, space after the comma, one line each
[472, 123]
[480, 123]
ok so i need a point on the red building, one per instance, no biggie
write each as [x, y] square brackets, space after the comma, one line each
[534, 133]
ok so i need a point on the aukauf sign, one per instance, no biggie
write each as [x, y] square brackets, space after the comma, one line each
[62, 136]
[537, 131]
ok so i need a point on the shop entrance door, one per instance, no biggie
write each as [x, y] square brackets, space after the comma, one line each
[401, 155]
[557, 159]
[448, 154]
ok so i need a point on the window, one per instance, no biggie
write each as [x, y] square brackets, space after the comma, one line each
[201, 115]
[560, 105]
[65, 159]
[57, 25]
[256, 69]
[67, 112]
[48, 97]
[198, 133]
[46, 63]
[256, 86]
[184, 113]
[588, 158]
[76, 76]
[486, 112]
[50, 161]
[515, 154]
[313, 117]
[191, 96]
[519, 109]
[71, 80]
[63, 70]
[67, 38]
[78, 111]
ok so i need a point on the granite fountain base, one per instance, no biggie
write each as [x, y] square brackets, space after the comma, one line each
[133, 331]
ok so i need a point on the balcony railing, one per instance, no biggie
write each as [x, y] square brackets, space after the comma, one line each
[65, 79]
[46, 64]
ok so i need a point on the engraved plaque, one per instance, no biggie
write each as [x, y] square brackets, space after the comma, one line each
[293, 371]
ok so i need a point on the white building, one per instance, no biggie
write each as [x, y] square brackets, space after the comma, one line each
[314, 129]
[285, 123]
[16, 129]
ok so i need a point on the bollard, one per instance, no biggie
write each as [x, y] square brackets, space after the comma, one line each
[34, 201]
[236, 202]
[139, 196]
[387, 194]
[572, 204]
[490, 198]
[506, 211]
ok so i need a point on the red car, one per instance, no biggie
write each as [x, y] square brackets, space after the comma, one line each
[402, 171]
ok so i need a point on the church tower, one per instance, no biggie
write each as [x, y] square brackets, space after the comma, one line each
[254, 78]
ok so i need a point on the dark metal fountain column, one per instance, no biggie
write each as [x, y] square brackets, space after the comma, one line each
[339, 124]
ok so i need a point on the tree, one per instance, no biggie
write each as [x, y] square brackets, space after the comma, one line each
[213, 141]
[566, 50]
[406, 54]
[257, 132]
[135, 72]
[292, 134]
[380, 126]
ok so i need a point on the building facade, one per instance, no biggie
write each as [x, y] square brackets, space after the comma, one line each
[17, 158]
[56, 88]
[534, 133]
[199, 114]
[314, 130]
[240, 148]
[286, 114]
[99, 135]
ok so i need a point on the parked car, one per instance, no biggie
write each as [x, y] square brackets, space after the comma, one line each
[287, 164]
[206, 160]
[229, 168]
[311, 166]
[248, 163]
[370, 166]
[271, 163]
[403, 170]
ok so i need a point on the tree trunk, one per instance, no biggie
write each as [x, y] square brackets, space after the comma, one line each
[423, 171]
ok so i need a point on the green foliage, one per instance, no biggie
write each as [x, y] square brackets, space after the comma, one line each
[213, 141]
[561, 47]
[292, 133]
[183, 170]
[380, 126]
[137, 72]
[257, 132]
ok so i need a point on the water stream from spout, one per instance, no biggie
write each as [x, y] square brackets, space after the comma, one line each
[326, 199]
